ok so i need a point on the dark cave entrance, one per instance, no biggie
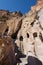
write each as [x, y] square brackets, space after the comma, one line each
[6, 31]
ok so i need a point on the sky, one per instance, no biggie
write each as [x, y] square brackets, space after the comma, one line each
[17, 5]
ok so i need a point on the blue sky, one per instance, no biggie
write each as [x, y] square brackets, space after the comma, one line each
[17, 5]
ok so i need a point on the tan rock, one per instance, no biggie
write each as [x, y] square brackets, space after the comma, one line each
[30, 31]
[7, 51]
[14, 25]
[29, 35]
[3, 27]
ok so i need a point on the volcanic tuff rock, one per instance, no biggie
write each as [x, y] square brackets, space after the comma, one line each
[7, 51]
[25, 30]
[30, 36]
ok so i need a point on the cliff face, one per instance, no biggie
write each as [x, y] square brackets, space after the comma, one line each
[30, 36]
[9, 23]
[26, 30]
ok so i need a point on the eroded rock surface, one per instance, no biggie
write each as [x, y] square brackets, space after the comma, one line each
[7, 51]
[26, 32]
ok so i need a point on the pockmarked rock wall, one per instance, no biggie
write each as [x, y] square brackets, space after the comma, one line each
[30, 36]
[25, 30]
